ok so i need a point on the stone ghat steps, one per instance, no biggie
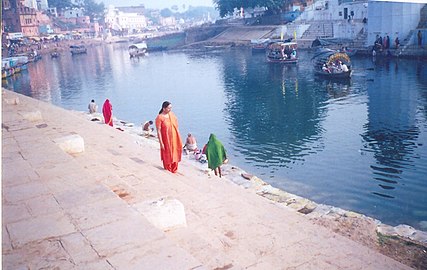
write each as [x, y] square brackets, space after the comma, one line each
[88, 207]
[244, 33]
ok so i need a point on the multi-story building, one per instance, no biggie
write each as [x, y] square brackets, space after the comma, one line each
[17, 17]
[124, 21]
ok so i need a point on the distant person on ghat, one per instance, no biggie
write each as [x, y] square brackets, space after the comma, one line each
[92, 106]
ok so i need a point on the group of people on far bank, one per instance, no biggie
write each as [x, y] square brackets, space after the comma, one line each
[171, 146]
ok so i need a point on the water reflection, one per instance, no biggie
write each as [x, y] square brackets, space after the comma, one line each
[358, 144]
[392, 131]
[272, 112]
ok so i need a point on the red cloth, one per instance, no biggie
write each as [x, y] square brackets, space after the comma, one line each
[172, 152]
[107, 111]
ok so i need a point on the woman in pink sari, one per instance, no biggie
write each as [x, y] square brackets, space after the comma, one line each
[169, 138]
[107, 111]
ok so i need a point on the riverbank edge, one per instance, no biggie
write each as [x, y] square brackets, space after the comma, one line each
[297, 203]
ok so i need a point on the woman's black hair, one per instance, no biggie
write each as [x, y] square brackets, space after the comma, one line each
[164, 106]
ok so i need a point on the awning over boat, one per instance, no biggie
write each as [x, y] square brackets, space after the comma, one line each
[138, 46]
[278, 44]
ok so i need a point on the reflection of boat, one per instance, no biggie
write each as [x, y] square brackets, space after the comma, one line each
[259, 45]
[54, 54]
[282, 52]
[138, 49]
[13, 65]
[78, 49]
[331, 64]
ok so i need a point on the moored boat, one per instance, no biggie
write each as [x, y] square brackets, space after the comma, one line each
[78, 49]
[331, 64]
[259, 45]
[282, 52]
[138, 49]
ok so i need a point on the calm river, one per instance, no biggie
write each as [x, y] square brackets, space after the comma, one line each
[359, 145]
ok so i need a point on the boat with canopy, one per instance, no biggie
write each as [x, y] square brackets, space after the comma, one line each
[331, 64]
[282, 52]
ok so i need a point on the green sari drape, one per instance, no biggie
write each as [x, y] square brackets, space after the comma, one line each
[215, 152]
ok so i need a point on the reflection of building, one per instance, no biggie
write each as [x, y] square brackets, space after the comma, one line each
[274, 123]
[391, 131]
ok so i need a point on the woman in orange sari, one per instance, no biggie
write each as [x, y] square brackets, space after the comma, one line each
[107, 111]
[169, 138]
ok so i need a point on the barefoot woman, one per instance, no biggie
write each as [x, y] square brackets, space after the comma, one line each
[169, 138]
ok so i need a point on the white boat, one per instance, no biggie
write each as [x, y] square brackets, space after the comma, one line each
[138, 49]
[78, 49]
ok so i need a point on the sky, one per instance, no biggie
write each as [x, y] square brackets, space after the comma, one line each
[157, 3]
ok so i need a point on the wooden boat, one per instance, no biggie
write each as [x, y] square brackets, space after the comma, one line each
[138, 49]
[331, 64]
[259, 45]
[78, 49]
[282, 52]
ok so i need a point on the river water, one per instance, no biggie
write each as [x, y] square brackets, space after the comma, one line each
[359, 145]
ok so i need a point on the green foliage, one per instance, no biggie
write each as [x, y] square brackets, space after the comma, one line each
[226, 7]
[93, 9]
[60, 4]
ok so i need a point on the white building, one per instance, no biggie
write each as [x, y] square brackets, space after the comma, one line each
[395, 19]
[37, 4]
[118, 20]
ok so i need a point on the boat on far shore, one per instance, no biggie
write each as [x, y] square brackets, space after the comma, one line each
[138, 49]
[78, 49]
[259, 45]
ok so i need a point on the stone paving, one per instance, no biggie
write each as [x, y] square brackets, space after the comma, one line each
[85, 210]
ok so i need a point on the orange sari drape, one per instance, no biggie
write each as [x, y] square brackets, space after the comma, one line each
[172, 152]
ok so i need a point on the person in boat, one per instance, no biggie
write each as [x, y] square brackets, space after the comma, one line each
[326, 69]
[92, 106]
[282, 52]
[293, 54]
[169, 137]
[107, 111]
[216, 154]
[343, 67]
[147, 129]
[191, 143]
[397, 42]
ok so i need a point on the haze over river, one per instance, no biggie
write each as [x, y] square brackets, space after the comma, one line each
[360, 145]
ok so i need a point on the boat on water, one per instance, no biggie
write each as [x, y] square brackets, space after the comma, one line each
[13, 65]
[331, 64]
[78, 49]
[138, 49]
[282, 52]
[259, 45]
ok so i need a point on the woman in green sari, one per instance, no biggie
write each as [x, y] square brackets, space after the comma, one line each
[215, 154]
